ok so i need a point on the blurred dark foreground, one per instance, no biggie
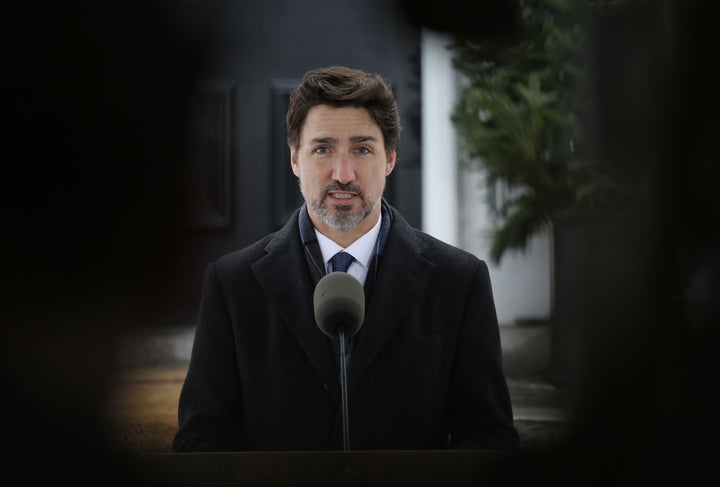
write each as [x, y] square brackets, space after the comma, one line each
[92, 202]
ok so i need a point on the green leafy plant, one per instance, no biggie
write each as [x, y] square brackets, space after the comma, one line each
[522, 117]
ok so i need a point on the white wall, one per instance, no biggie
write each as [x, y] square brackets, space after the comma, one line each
[455, 209]
[440, 199]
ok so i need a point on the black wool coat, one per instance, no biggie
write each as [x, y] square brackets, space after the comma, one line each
[426, 368]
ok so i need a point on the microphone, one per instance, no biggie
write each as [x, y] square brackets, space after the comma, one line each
[339, 302]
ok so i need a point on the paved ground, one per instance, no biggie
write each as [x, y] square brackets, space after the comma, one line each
[142, 410]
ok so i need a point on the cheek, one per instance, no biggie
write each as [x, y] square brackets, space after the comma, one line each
[309, 181]
[305, 174]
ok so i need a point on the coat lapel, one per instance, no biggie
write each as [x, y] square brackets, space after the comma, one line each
[284, 276]
[403, 276]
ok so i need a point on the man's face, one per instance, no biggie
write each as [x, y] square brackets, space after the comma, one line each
[342, 165]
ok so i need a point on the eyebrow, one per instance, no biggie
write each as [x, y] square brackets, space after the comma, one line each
[332, 140]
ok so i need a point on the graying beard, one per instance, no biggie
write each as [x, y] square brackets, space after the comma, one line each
[342, 221]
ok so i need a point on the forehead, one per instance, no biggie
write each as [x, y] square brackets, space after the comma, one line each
[339, 123]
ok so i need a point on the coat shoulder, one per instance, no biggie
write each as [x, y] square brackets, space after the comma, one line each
[441, 253]
[245, 257]
[446, 254]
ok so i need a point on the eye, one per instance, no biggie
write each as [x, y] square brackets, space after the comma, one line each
[363, 150]
[321, 150]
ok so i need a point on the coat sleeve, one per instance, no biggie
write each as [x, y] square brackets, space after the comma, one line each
[209, 415]
[480, 413]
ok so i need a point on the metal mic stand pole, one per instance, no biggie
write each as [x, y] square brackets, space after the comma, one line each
[343, 388]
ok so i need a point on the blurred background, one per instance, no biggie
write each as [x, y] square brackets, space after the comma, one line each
[571, 145]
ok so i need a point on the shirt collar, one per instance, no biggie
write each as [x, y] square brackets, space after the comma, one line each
[361, 249]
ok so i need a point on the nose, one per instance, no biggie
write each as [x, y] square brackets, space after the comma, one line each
[343, 170]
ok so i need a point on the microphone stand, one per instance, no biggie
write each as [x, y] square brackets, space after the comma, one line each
[349, 474]
[343, 389]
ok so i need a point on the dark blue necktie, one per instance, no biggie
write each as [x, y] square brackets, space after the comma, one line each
[341, 262]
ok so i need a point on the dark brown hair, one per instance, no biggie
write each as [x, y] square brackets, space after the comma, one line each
[339, 86]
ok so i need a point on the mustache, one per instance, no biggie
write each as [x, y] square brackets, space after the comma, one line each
[350, 187]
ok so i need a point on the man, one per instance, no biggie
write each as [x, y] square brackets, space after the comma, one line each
[426, 367]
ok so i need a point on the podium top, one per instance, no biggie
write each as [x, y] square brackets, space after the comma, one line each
[318, 468]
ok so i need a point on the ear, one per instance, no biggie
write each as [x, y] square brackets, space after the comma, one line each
[294, 161]
[390, 164]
